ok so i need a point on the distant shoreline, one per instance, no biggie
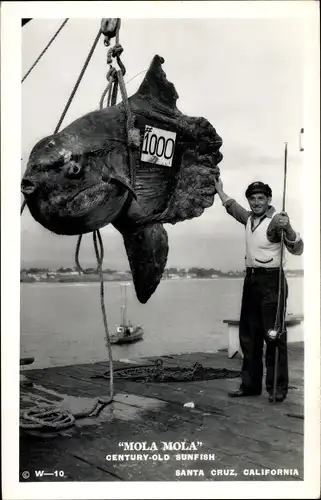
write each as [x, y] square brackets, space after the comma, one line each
[95, 279]
[90, 274]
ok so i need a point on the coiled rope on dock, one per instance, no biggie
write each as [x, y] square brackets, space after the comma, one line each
[50, 417]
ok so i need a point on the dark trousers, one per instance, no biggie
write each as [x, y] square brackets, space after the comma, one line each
[258, 315]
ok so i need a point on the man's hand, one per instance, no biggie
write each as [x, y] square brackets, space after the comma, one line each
[219, 189]
[282, 221]
[218, 184]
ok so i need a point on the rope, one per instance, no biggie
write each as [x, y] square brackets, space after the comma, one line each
[160, 373]
[56, 418]
[101, 103]
[52, 416]
[99, 252]
[132, 133]
[115, 79]
[47, 416]
[142, 71]
[106, 91]
[44, 50]
[114, 93]
[82, 72]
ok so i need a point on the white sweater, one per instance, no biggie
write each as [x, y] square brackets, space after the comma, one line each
[260, 252]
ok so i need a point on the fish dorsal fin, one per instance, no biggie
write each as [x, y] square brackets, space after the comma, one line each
[156, 86]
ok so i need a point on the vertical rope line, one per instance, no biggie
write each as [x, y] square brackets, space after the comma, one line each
[44, 50]
[80, 269]
[99, 252]
[114, 94]
[100, 255]
[129, 127]
[101, 103]
[82, 72]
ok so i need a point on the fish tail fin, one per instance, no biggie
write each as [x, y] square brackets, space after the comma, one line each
[147, 251]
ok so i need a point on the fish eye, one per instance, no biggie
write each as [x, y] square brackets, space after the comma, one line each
[73, 169]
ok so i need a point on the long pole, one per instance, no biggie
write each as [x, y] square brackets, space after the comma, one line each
[124, 306]
[285, 174]
[125, 309]
[276, 357]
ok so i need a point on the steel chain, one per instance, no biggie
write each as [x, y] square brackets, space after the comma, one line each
[159, 373]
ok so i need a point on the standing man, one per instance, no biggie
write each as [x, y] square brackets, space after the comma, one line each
[259, 311]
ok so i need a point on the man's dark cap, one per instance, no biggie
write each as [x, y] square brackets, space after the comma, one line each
[258, 187]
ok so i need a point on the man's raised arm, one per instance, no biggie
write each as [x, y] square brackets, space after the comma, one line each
[232, 207]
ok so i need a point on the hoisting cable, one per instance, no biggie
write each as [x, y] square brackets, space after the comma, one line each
[74, 90]
[99, 252]
[44, 50]
[101, 103]
[112, 86]
[52, 416]
[110, 28]
[116, 78]
[133, 135]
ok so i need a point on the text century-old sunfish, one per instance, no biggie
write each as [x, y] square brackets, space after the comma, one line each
[78, 180]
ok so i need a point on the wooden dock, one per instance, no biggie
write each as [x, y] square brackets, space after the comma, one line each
[240, 437]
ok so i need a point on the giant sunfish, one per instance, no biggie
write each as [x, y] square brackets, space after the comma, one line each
[78, 180]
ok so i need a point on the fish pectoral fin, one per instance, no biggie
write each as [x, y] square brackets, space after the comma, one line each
[147, 251]
[126, 185]
[195, 188]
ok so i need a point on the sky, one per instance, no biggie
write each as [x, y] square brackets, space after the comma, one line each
[244, 75]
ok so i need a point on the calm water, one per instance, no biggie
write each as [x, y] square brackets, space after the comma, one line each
[62, 323]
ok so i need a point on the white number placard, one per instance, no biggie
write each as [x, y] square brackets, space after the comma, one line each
[158, 146]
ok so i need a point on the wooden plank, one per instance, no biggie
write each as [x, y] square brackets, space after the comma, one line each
[213, 404]
[221, 387]
[231, 450]
[207, 359]
[243, 433]
[97, 442]
[38, 455]
[204, 401]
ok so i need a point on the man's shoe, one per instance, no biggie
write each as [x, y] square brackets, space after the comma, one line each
[241, 393]
[279, 398]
